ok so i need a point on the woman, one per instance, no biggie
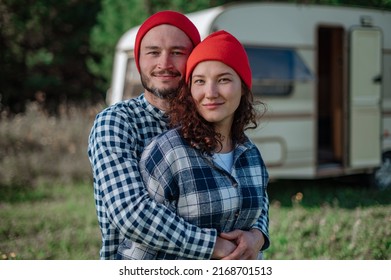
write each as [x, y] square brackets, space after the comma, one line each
[206, 169]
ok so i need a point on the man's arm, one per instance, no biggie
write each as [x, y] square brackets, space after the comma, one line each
[114, 159]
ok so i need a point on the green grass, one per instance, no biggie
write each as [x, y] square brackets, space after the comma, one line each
[50, 223]
[339, 219]
[44, 214]
[308, 220]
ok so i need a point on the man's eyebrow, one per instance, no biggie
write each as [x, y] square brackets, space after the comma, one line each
[172, 48]
[180, 47]
[151, 47]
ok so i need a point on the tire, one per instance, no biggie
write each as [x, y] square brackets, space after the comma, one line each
[381, 178]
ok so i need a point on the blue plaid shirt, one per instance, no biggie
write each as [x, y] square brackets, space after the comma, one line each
[202, 192]
[124, 208]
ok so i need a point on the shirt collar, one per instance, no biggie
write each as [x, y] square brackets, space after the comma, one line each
[152, 109]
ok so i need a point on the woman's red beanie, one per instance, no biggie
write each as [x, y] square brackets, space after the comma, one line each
[224, 47]
[166, 17]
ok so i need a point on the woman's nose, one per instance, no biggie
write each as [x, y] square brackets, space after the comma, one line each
[211, 90]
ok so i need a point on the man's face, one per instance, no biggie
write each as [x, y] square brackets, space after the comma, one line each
[163, 54]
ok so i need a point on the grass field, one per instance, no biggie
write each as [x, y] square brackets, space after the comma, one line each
[308, 220]
[329, 219]
[46, 213]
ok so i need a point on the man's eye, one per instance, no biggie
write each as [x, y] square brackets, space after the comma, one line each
[154, 53]
[177, 53]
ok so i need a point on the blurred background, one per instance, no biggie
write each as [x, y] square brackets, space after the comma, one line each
[55, 69]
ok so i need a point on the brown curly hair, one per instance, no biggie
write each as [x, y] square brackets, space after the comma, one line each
[199, 133]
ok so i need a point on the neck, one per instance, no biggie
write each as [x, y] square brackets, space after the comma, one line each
[159, 103]
[227, 144]
[226, 140]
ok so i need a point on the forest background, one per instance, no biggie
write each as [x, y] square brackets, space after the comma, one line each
[61, 52]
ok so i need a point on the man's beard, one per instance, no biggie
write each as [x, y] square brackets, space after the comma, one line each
[167, 93]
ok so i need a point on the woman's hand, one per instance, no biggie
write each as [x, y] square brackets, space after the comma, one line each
[223, 248]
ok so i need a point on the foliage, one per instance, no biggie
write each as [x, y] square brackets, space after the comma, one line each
[44, 43]
[113, 20]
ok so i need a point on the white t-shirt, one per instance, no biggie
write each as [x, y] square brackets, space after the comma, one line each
[225, 160]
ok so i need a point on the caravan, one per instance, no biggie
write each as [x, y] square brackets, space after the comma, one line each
[324, 73]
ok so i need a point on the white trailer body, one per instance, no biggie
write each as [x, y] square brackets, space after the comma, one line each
[324, 73]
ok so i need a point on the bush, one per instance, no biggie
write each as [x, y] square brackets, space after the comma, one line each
[36, 148]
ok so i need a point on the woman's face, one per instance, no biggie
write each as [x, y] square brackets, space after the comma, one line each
[216, 89]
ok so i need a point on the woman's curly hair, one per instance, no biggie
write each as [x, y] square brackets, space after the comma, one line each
[199, 133]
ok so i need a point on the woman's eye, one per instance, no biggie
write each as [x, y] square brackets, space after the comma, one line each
[198, 81]
[224, 80]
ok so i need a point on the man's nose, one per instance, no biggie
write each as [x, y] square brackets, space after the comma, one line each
[165, 61]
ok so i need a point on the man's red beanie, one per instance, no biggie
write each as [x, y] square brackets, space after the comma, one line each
[166, 17]
[224, 47]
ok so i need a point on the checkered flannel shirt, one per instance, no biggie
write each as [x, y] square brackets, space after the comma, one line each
[203, 193]
[124, 208]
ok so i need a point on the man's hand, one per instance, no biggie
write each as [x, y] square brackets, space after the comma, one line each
[249, 243]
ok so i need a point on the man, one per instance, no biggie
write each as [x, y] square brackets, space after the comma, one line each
[125, 211]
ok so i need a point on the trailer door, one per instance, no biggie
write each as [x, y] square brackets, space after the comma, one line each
[365, 94]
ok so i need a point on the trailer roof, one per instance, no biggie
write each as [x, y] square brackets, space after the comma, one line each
[277, 23]
[294, 24]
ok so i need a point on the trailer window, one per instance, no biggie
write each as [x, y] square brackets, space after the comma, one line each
[275, 70]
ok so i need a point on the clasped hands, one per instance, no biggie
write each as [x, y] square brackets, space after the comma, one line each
[238, 245]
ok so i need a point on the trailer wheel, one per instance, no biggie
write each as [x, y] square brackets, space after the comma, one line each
[381, 178]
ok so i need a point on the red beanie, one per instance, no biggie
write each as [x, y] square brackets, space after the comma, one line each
[166, 17]
[224, 47]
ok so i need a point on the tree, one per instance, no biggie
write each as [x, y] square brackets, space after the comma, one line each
[113, 20]
[44, 43]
